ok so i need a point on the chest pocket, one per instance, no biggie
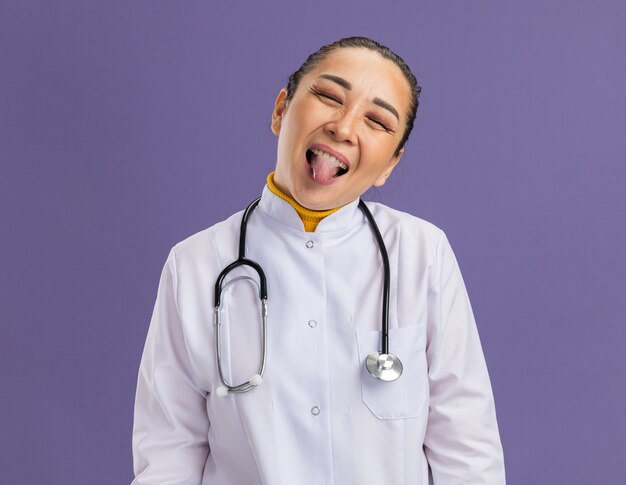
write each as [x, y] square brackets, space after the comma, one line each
[406, 397]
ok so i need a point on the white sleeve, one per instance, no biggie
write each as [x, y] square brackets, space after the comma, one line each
[462, 442]
[170, 434]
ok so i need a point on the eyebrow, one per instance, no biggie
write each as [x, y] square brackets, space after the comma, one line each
[384, 104]
[339, 80]
[377, 101]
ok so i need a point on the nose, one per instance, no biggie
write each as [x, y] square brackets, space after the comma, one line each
[343, 127]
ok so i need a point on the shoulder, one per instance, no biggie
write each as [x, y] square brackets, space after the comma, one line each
[411, 228]
[201, 247]
[415, 237]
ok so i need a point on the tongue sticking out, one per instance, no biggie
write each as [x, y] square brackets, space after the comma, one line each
[325, 169]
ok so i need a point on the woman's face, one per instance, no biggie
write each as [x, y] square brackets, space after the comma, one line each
[337, 136]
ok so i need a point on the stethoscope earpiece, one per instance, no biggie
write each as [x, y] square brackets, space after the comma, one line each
[256, 380]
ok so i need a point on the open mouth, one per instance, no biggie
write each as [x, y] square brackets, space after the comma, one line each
[324, 165]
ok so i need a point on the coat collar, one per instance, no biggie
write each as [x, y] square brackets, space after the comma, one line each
[281, 211]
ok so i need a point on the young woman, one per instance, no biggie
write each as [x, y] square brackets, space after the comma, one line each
[337, 398]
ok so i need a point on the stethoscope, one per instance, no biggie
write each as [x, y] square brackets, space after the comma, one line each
[381, 365]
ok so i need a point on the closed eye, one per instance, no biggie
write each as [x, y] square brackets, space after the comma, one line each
[381, 124]
[323, 94]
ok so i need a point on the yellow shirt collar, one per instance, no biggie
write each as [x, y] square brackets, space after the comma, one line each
[310, 218]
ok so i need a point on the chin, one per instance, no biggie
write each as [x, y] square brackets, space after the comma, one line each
[311, 202]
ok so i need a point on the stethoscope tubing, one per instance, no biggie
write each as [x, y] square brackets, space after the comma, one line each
[386, 275]
[246, 386]
[241, 261]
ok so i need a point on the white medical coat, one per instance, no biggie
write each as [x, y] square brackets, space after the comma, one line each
[318, 417]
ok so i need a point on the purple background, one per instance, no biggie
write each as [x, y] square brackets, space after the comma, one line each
[127, 126]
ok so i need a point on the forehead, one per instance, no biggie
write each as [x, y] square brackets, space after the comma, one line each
[369, 73]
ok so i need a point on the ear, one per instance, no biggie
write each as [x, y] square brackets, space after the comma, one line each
[382, 178]
[279, 109]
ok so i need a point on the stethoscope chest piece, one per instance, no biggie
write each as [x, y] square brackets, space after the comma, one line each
[386, 367]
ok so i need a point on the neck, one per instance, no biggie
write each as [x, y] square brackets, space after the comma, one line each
[310, 218]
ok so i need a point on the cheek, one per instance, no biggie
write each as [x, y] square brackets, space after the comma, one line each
[379, 153]
[309, 115]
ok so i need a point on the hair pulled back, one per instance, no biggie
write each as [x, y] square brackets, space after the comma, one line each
[364, 43]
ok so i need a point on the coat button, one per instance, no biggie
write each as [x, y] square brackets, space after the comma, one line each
[312, 323]
[310, 244]
[315, 410]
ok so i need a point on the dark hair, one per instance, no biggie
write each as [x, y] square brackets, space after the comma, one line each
[365, 43]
